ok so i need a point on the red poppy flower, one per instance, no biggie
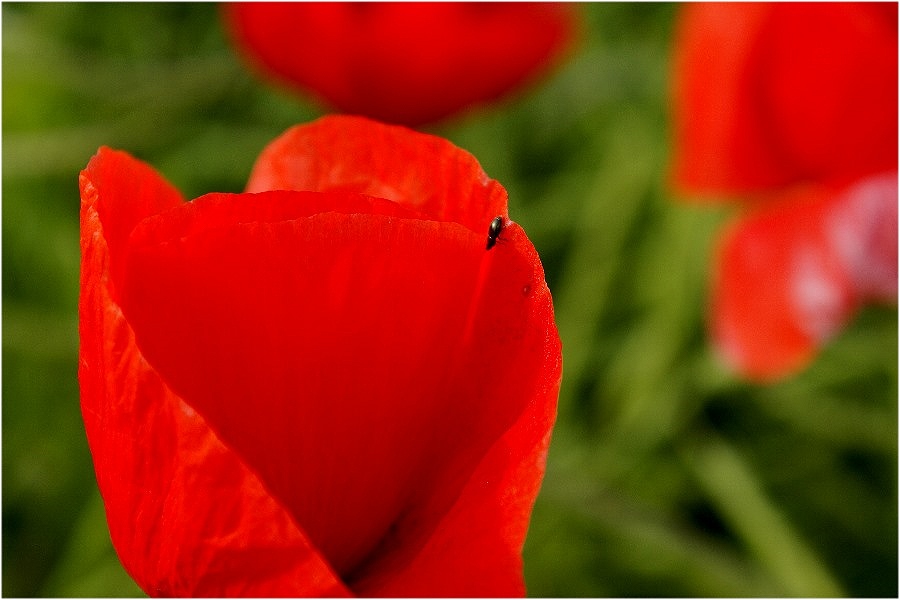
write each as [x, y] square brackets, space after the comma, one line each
[327, 389]
[410, 63]
[794, 108]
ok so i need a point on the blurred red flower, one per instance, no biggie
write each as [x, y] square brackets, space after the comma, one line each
[327, 389]
[793, 107]
[403, 62]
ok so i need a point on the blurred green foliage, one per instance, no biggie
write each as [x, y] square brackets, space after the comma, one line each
[667, 476]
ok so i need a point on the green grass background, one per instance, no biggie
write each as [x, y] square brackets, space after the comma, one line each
[667, 475]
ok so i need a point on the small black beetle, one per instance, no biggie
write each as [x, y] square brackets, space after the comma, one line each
[494, 231]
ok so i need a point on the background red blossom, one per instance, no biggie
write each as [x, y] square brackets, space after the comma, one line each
[402, 62]
[794, 107]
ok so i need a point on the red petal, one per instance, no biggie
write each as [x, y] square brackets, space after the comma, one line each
[493, 512]
[789, 277]
[410, 63]
[863, 230]
[720, 139]
[363, 364]
[767, 95]
[185, 515]
[830, 81]
[132, 191]
[422, 172]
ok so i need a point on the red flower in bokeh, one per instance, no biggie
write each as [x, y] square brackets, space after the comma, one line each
[793, 107]
[330, 390]
[403, 62]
